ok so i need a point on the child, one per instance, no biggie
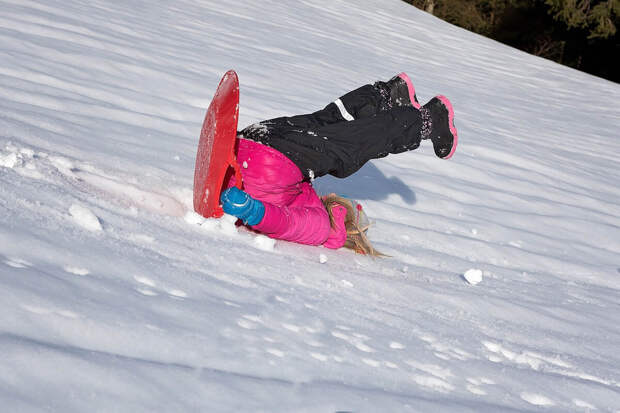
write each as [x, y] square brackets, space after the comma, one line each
[282, 156]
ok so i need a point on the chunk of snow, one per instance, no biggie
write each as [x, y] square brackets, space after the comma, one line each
[76, 270]
[584, 404]
[227, 224]
[263, 242]
[9, 160]
[85, 218]
[322, 258]
[473, 276]
[192, 217]
[537, 399]
[178, 293]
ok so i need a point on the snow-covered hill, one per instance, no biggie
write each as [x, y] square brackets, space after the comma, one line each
[115, 297]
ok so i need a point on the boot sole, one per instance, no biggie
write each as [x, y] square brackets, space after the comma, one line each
[455, 140]
[407, 80]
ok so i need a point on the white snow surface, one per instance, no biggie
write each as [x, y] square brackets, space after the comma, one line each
[101, 104]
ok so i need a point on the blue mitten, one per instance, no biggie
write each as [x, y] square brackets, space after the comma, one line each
[238, 203]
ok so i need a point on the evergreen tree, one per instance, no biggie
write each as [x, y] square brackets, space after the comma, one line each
[598, 18]
[578, 33]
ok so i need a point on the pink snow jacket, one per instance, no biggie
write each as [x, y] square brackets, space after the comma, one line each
[293, 210]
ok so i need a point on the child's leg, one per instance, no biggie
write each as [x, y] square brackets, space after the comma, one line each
[342, 148]
[363, 102]
[369, 100]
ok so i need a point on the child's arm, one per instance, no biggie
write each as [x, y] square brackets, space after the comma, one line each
[305, 221]
[307, 225]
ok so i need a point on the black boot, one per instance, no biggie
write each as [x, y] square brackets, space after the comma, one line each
[438, 126]
[399, 91]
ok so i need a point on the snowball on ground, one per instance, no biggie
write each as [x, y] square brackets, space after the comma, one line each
[85, 218]
[473, 276]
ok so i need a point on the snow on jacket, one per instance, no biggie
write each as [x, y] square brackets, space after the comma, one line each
[293, 210]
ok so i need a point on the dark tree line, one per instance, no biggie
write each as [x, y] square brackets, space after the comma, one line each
[578, 33]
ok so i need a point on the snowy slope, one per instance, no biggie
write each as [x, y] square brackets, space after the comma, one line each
[115, 297]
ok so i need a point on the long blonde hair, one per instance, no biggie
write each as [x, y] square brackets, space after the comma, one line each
[356, 233]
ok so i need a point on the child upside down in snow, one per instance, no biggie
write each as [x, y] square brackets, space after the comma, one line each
[281, 157]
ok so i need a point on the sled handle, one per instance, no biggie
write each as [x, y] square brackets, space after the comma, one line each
[235, 165]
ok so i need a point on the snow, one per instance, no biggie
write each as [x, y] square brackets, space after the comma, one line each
[536, 399]
[101, 105]
[76, 270]
[473, 276]
[262, 242]
[85, 218]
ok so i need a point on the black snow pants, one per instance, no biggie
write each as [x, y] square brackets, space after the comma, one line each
[339, 139]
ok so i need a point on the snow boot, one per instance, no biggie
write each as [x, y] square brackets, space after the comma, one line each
[400, 91]
[399, 79]
[438, 126]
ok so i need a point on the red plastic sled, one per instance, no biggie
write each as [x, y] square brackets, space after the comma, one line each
[216, 149]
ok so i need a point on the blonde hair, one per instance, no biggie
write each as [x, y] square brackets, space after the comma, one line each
[356, 234]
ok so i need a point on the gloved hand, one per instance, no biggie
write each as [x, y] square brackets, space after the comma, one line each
[238, 203]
